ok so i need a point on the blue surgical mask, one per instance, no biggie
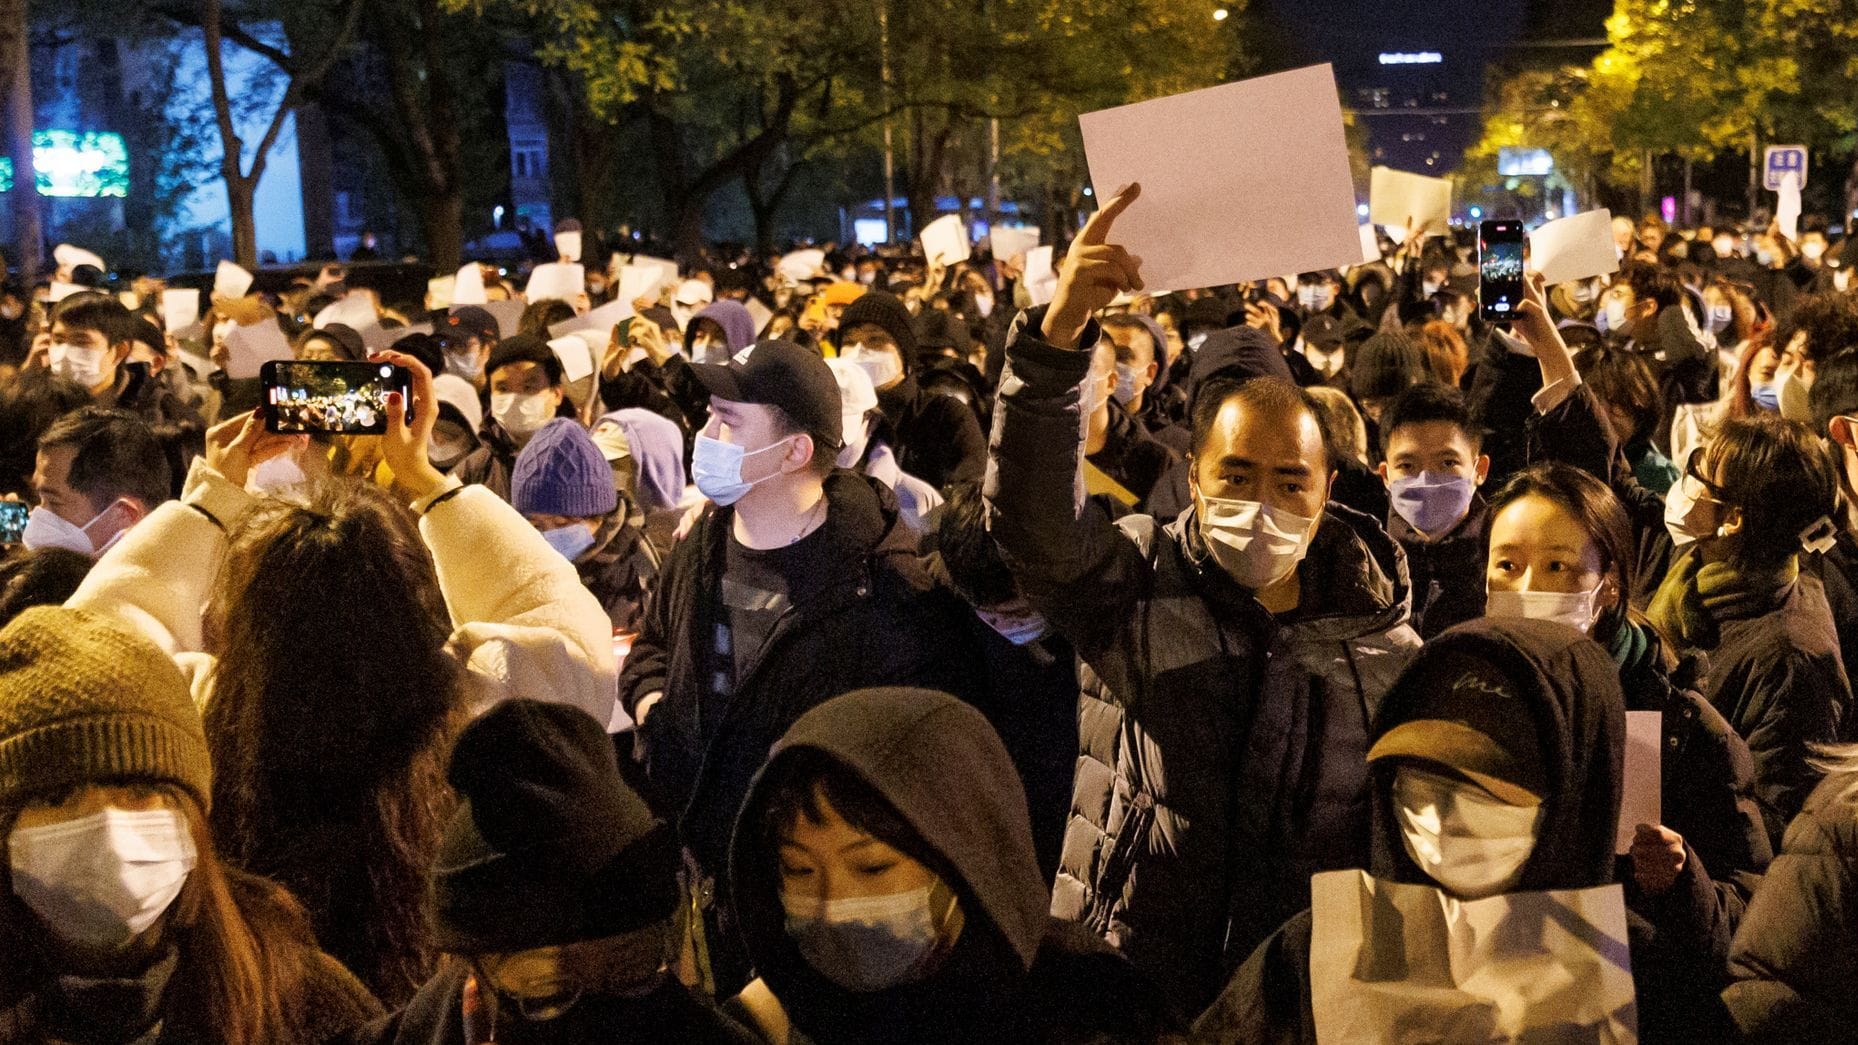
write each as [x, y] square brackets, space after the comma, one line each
[1432, 502]
[1719, 319]
[1763, 257]
[1767, 397]
[572, 541]
[716, 468]
[1125, 384]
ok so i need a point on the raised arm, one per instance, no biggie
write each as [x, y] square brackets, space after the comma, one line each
[524, 624]
[1069, 559]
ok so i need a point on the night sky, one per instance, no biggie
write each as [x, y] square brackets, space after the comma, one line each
[1469, 35]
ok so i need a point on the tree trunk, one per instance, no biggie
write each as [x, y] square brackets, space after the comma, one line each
[16, 56]
[241, 198]
[441, 218]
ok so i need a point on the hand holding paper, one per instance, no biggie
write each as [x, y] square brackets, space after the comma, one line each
[945, 241]
[1576, 247]
[1397, 198]
[1239, 182]
[1095, 271]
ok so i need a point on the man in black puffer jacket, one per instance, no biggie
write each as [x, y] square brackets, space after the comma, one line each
[1228, 678]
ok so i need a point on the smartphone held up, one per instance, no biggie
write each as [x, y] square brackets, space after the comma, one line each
[1499, 269]
[13, 516]
[340, 398]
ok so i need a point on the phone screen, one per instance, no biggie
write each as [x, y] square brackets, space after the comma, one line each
[1500, 268]
[13, 515]
[336, 397]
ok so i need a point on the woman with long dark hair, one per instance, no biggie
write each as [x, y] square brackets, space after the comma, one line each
[1561, 548]
[121, 924]
[336, 646]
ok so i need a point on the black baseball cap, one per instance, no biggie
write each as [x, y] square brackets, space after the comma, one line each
[781, 374]
[466, 321]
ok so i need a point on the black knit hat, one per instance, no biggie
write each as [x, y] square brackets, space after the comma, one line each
[525, 348]
[548, 846]
[886, 311]
[1386, 365]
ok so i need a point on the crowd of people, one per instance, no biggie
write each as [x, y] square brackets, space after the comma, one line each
[893, 652]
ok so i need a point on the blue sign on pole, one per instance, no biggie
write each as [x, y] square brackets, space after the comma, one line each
[1782, 160]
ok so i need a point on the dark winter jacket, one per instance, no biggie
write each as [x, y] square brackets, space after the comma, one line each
[1130, 456]
[436, 1016]
[1221, 749]
[1707, 779]
[492, 463]
[1447, 573]
[172, 410]
[1015, 976]
[1778, 679]
[938, 438]
[1795, 956]
[621, 567]
[877, 619]
[1574, 686]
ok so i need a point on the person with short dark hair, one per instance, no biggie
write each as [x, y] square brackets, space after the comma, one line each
[801, 583]
[527, 390]
[1221, 756]
[42, 577]
[1834, 400]
[99, 472]
[122, 360]
[937, 438]
[30, 401]
[1433, 465]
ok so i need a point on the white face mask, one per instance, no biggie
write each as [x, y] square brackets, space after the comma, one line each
[467, 363]
[858, 437]
[1842, 280]
[1573, 608]
[1467, 840]
[866, 943]
[1689, 512]
[1315, 297]
[1256, 544]
[984, 304]
[1794, 400]
[1813, 250]
[1430, 287]
[104, 879]
[47, 529]
[1719, 319]
[521, 415]
[78, 363]
[881, 364]
[1612, 317]
[281, 477]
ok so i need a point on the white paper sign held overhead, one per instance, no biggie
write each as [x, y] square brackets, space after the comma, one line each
[945, 240]
[1396, 197]
[1239, 182]
[1576, 247]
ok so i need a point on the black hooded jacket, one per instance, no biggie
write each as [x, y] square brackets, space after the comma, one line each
[1573, 685]
[1015, 975]
[938, 437]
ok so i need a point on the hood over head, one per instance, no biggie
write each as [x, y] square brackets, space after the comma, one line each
[1570, 686]
[733, 316]
[1160, 337]
[1240, 353]
[936, 762]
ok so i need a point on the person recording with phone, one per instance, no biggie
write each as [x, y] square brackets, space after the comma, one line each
[465, 605]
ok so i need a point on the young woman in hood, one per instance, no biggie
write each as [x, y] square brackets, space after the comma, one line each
[884, 871]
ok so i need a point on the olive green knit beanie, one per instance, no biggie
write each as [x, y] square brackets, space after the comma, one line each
[83, 699]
